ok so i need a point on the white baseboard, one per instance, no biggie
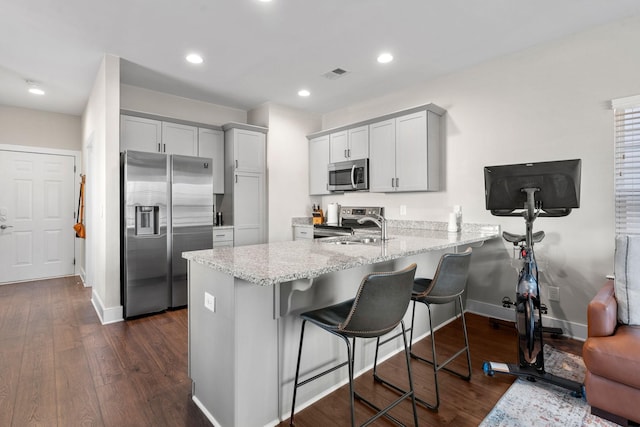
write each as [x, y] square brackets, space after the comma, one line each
[205, 411]
[106, 314]
[571, 329]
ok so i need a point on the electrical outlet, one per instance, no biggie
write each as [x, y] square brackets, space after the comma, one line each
[554, 293]
[403, 210]
[210, 302]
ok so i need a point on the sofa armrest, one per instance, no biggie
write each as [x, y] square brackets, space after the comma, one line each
[602, 313]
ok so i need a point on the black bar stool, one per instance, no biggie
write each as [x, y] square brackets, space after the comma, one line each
[447, 285]
[378, 307]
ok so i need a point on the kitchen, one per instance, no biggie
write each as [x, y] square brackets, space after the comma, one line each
[538, 104]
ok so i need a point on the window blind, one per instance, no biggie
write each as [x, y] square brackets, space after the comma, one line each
[627, 167]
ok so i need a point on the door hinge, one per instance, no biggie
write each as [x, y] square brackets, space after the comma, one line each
[74, 168]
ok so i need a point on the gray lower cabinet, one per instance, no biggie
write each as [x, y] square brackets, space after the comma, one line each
[222, 237]
[302, 232]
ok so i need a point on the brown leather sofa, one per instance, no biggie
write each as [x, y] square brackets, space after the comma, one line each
[612, 356]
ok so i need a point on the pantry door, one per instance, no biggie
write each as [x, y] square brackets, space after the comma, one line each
[37, 214]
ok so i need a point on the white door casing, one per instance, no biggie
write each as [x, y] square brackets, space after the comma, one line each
[36, 215]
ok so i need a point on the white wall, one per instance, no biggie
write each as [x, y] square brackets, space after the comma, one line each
[549, 102]
[100, 135]
[21, 126]
[287, 165]
[162, 104]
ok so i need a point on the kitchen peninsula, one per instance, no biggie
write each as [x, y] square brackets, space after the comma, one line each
[244, 304]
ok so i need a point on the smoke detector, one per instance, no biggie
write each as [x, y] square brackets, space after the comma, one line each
[335, 74]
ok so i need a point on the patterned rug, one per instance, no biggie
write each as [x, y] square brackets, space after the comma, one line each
[538, 403]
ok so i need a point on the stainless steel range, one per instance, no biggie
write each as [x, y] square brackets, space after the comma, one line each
[348, 221]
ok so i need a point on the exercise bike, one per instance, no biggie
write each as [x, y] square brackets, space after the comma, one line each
[528, 307]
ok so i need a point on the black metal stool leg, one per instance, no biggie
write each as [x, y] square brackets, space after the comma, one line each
[295, 383]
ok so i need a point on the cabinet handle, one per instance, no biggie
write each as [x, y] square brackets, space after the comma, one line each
[219, 235]
[397, 182]
[393, 182]
[159, 148]
[236, 179]
[236, 164]
[345, 154]
[348, 152]
[164, 148]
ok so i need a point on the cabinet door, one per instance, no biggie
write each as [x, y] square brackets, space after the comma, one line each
[382, 164]
[211, 145]
[137, 133]
[358, 143]
[249, 150]
[179, 139]
[411, 152]
[248, 209]
[338, 143]
[318, 161]
[302, 232]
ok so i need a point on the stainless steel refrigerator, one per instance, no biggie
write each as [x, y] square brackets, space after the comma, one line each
[167, 209]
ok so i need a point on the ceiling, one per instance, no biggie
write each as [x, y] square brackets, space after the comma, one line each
[255, 52]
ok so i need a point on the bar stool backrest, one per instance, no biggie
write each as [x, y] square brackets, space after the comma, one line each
[380, 304]
[450, 279]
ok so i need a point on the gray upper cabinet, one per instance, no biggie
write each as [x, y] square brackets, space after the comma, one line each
[382, 165]
[349, 144]
[159, 136]
[140, 134]
[404, 150]
[249, 150]
[406, 153]
[179, 139]
[211, 145]
[318, 162]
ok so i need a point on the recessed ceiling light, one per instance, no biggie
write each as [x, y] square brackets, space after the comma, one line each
[265, 1]
[194, 58]
[384, 58]
[303, 92]
[34, 88]
[36, 91]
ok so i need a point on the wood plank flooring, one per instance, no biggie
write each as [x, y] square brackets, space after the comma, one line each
[60, 367]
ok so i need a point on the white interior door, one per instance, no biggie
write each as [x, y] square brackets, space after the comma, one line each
[36, 216]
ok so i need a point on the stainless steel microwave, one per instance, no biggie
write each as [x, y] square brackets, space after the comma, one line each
[349, 176]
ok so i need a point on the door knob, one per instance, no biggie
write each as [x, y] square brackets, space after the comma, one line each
[4, 227]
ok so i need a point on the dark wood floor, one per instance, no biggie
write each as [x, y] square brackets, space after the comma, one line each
[60, 367]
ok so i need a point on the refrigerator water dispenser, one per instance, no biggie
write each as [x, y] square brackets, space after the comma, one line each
[147, 220]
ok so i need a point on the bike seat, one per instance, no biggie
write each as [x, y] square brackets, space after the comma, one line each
[519, 238]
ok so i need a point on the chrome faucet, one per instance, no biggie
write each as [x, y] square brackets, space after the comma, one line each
[380, 221]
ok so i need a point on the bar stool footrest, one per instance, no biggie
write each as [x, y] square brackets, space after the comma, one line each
[382, 412]
[422, 402]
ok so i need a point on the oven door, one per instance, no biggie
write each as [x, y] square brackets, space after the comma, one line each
[349, 176]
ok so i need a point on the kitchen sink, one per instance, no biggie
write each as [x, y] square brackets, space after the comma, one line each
[352, 240]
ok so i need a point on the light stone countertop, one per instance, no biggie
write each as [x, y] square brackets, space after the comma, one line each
[271, 263]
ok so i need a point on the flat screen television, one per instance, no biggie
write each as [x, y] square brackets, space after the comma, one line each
[558, 183]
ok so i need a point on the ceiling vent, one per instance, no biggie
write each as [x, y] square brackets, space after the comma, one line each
[335, 74]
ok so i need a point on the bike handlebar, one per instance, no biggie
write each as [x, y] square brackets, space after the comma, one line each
[549, 213]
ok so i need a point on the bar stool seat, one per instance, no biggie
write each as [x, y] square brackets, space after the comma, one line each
[377, 309]
[447, 286]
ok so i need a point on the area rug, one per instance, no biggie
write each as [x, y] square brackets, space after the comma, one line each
[538, 403]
